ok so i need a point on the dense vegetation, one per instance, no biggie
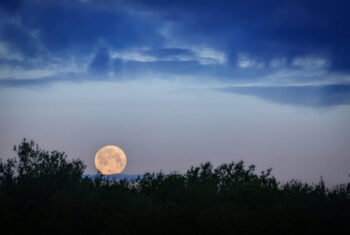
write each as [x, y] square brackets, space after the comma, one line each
[44, 192]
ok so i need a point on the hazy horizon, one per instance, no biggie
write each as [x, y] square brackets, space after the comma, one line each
[185, 126]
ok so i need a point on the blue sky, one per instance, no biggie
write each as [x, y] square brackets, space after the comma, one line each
[184, 74]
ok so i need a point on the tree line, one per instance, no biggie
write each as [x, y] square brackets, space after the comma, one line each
[45, 192]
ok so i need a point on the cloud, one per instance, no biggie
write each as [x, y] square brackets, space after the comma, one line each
[7, 72]
[270, 29]
[307, 96]
[230, 41]
[245, 62]
[157, 54]
[171, 53]
[136, 69]
[203, 55]
[309, 62]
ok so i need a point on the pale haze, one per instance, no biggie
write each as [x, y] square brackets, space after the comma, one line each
[167, 126]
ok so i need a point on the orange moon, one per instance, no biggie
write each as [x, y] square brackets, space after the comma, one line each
[110, 160]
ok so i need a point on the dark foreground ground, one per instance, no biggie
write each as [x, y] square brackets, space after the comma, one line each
[43, 192]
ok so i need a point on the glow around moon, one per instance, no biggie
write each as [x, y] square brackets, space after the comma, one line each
[110, 160]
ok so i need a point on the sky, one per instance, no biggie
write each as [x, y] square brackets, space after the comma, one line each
[179, 83]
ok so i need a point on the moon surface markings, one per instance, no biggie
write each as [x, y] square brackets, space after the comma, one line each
[110, 160]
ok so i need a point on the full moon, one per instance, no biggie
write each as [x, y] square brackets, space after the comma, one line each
[110, 160]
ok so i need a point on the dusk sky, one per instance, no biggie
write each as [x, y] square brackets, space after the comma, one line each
[179, 83]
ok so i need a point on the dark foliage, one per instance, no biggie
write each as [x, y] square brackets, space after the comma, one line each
[44, 192]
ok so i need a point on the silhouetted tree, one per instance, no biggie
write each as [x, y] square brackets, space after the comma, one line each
[45, 192]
